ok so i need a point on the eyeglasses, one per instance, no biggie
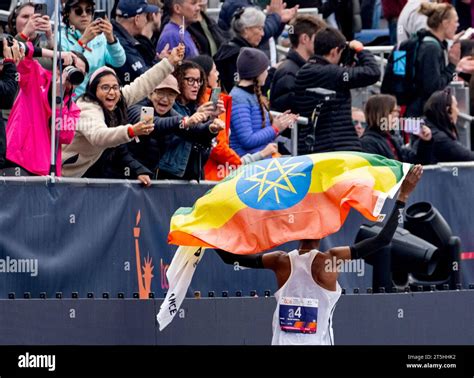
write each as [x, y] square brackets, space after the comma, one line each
[106, 88]
[79, 11]
[362, 124]
[168, 95]
[192, 81]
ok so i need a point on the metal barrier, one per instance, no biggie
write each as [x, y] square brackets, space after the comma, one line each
[294, 131]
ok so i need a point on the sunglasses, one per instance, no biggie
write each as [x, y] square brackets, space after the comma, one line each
[79, 11]
[362, 124]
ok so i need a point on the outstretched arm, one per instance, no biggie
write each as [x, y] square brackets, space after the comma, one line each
[368, 246]
[263, 261]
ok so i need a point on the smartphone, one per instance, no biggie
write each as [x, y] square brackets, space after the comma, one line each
[147, 114]
[215, 95]
[41, 9]
[413, 125]
[467, 34]
[99, 14]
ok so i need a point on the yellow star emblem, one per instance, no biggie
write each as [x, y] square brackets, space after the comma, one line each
[280, 175]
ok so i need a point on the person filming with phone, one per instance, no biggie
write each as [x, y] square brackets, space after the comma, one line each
[92, 37]
[382, 116]
[97, 149]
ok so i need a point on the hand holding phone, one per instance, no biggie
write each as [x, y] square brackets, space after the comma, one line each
[467, 34]
[41, 9]
[147, 114]
[215, 95]
[99, 14]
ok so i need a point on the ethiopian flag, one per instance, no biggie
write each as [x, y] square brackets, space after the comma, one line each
[271, 202]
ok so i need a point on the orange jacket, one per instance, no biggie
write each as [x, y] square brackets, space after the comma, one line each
[222, 157]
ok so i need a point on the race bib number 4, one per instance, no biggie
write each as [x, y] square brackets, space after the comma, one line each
[298, 315]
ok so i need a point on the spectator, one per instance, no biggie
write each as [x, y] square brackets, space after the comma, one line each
[26, 25]
[223, 159]
[251, 124]
[410, 20]
[358, 120]
[334, 131]
[28, 127]
[182, 14]
[303, 31]
[103, 123]
[248, 27]
[8, 90]
[185, 158]
[131, 19]
[168, 125]
[432, 70]
[205, 32]
[381, 112]
[274, 23]
[441, 114]
[149, 35]
[391, 11]
[94, 39]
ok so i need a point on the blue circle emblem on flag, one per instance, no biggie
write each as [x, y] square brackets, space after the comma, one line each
[275, 184]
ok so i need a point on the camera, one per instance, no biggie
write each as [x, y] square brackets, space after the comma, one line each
[322, 95]
[348, 56]
[74, 76]
[10, 40]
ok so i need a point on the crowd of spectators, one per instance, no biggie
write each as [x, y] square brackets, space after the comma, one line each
[167, 92]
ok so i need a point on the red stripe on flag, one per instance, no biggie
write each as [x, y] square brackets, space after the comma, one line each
[467, 255]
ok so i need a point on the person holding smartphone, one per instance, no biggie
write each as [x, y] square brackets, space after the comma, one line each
[29, 22]
[382, 116]
[222, 158]
[93, 38]
[99, 146]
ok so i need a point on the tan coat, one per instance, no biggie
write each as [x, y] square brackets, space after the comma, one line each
[93, 136]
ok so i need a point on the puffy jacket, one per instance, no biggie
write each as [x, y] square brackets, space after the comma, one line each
[282, 91]
[28, 127]
[222, 157]
[103, 53]
[8, 90]
[247, 135]
[378, 142]
[334, 130]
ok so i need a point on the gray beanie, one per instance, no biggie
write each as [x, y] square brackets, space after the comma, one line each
[251, 63]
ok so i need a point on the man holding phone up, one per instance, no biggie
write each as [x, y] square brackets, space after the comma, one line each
[93, 38]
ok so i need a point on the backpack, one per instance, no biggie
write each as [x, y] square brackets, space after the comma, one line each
[399, 76]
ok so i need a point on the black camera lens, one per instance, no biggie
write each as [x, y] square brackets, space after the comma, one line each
[74, 76]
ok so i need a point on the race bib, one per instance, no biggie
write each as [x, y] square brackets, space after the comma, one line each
[298, 315]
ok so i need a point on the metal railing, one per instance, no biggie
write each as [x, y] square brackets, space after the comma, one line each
[294, 131]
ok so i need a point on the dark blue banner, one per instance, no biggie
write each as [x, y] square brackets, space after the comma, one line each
[112, 237]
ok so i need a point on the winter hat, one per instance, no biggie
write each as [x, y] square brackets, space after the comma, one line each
[251, 63]
[170, 82]
[205, 61]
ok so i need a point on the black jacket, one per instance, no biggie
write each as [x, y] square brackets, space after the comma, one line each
[136, 64]
[147, 49]
[8, 90]
[446, 147]
[226, 61]
[117, 163]
[432, 73]
[334, 130]
[200, 38]
[376, 142]
[282, 91]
